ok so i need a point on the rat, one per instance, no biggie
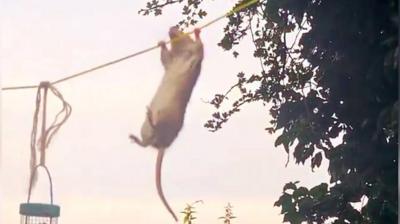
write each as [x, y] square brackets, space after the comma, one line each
[165, 115]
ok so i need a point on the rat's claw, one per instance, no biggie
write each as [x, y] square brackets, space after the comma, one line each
[161, 44]
[136, 140]
[197, 33]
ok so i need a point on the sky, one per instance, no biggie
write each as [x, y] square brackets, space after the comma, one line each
[99, 176]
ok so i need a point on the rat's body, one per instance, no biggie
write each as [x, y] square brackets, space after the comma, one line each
[166, 112]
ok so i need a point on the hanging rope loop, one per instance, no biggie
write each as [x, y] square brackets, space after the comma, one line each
[31, 182]
[46, 133]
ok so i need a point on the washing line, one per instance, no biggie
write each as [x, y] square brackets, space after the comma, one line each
[231, 12]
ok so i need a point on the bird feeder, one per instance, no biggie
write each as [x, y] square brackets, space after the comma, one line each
[39, 213]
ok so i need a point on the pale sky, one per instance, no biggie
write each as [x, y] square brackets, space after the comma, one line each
[99, 176]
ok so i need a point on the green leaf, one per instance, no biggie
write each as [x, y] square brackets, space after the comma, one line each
[318, 192]
[316, 160]
[300, 192]
[281, 140]
[290, 185]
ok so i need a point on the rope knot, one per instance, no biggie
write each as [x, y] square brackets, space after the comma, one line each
[44, 84]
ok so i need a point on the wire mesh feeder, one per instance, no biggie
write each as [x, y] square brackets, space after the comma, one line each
[39, 213]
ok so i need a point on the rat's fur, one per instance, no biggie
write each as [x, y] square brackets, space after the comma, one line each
[166, 112]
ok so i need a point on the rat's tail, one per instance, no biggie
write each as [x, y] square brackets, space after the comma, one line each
[160, 156]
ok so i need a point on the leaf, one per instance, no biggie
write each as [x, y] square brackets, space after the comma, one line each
[305, 205]
[285, 201]
[290, 185]
[281, 139]
[293, 218]
[185, 10]
[316, 160]
[202, 13]
[319, 191]
[300, 192]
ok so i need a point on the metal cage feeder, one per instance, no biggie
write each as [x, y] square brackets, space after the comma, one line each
[39, 213]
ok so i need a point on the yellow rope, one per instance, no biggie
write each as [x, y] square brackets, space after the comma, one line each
[237, 9]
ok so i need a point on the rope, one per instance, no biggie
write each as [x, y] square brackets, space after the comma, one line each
[231, 12]
[46, 133]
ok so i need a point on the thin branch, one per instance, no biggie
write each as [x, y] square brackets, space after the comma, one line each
[159, 6]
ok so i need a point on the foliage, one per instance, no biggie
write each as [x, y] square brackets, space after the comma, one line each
[228, 214]
[328, 70]
[189, 213]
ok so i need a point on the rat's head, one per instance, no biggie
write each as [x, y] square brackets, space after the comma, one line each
[182, 43]
[174, 32]
[178, 38]
[183, 48]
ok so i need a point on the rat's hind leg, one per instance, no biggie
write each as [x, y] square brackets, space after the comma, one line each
[136, 140]
[147, 139]
[150, 117]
